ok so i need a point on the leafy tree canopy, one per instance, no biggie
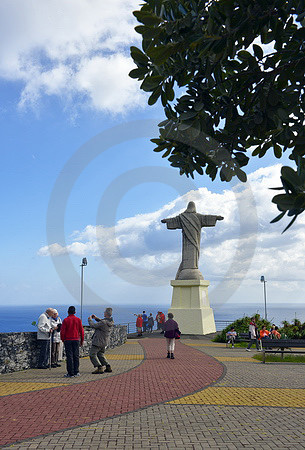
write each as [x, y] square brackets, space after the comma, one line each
[241, 65]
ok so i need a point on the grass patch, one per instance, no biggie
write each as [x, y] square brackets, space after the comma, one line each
[241, 344]
[278, 358]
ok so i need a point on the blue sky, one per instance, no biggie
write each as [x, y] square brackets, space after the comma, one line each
[74, 127]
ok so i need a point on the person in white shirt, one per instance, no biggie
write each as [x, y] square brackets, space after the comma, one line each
[43, 336]
[253, 335]
[55, 338]
[231, 336]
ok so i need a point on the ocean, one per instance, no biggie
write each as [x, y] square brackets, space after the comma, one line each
[20, 318]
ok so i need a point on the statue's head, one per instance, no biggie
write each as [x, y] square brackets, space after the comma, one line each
[191, 208]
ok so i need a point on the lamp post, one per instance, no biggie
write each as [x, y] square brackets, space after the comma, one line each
[265, 298]
[83, 264]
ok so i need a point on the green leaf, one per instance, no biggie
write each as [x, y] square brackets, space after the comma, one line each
[138, 73]
[290, 223]
[150, 83]
[284, 201]
[147, 18]
[138, 56]
[244, 55]
[154, 96]
[160, 54]
[279, 217]
[277, 151]
[258, 51]
[241, 175]
[291, 176]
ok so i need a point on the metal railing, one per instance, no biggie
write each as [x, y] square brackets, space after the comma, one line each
[220, 325]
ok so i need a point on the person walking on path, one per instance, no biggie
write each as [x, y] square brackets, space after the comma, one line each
[139, 324]
[100, 340]
[43, 336]
[252, 335]
[145, 321]
[150, 323]
[72, 335]
[55, 338]
[170, 329]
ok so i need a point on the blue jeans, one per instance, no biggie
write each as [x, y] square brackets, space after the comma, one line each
[72, 357]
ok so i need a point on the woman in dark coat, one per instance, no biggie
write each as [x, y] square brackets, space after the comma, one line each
[170, 329]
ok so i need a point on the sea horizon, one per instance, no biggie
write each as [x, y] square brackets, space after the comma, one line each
[19, 318]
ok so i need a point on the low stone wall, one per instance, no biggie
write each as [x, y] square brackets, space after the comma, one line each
[19, 351]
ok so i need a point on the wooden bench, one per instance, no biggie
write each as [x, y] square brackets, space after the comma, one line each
[281, 346]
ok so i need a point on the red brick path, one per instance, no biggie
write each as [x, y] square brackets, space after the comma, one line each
[31, 414]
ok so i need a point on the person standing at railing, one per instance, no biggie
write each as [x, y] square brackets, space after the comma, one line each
[145, 321]
[150, 323]
[139, 324]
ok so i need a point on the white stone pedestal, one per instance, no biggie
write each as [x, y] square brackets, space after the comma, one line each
[191, 307]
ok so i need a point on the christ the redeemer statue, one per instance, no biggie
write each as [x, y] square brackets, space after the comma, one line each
[191, 223]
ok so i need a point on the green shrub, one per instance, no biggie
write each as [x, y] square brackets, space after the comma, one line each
[294, 330]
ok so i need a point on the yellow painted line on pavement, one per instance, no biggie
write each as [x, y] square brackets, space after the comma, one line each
[132, 343]
[239, 396]
[125, 357]
[9, 388]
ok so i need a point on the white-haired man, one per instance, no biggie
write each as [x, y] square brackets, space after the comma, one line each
[43, 336]
[100, 340]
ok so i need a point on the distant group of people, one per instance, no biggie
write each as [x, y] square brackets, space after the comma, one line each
[255, 335]
[146, 323]
[169, 328]
[52, 332]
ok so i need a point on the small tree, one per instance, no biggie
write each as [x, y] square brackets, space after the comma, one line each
[241, 65]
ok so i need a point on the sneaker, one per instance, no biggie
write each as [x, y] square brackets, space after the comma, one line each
[58, 365]
[98, 370]
[168, 355]
[232, 346]
[77, 374]
[172, 356]
[248, 350]
[108, 369]
[68, 375]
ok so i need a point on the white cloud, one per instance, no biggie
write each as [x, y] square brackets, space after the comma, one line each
[70, 49]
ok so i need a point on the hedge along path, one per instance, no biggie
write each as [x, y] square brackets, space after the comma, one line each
[32, 414]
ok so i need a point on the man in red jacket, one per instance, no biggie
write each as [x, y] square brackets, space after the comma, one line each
[72, 334]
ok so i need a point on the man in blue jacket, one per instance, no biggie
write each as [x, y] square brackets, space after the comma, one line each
[145, 321]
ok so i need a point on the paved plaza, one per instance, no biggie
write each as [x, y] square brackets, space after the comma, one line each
[209, 396]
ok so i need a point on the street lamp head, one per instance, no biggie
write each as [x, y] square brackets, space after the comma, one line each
[84, 262]
[262, 278]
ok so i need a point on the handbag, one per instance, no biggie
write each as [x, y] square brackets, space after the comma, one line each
[177, 334]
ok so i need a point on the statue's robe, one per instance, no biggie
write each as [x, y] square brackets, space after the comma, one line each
[191, 224]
